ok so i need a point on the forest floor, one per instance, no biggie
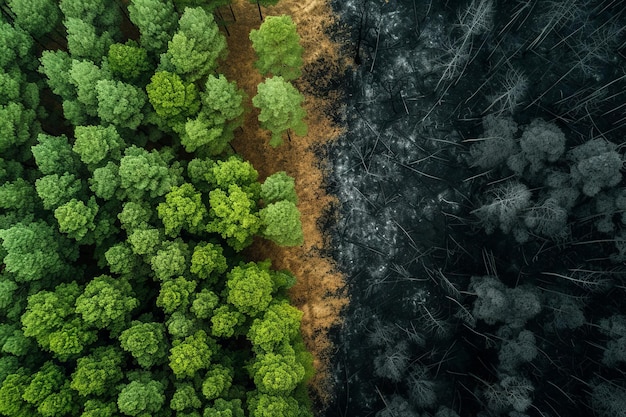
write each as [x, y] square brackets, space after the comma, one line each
[320, 289]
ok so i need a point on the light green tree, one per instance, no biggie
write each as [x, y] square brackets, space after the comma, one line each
[83, 42]
[281, 223]
[128, 60]
[185, 397]
[76, 219]
[280, 105]
[95, 144]
[277, 46]
[226, 321]
[278, 186]
[175, 294]
[49, 391]
[233, 216]
[204, 304]
[97, 372]
[279, 324]
[217, 381]
[224, 408]
[208, 261]
[196, 46]
[55, 190]
[192, 354]
[106, 302]
[249, 288]
[183, 209]
[276, 374]
[171, 260]
[172, 98]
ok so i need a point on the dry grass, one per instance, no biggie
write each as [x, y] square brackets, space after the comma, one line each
[319, 292]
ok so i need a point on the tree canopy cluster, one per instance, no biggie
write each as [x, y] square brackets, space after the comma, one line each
[123, 216]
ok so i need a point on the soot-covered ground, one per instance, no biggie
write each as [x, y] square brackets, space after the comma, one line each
[481, 209]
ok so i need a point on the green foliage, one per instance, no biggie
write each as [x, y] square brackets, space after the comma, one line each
[76, 218]
[146, 342]
[105, 181]
[203, 304]
[208, 261]
[56, 65]
[15, 45]
[171, 260]
[279, 324]
[56, 190]
[222, 108]
[134, 215]
[96, 408]
[106, 302]
[279, 186]
[144, 241]
[97, 372]
[128, 60]
[53, 155]
[49, 391]
[11, 391]
[233, 216]
[172, 98]
[185, 397]
[265, 405]
[37, 17]
[175, 294]
[18, 195]
[141, 398]
[249, 288]
[276, 374]
[17, 126]
[156, 20]
[96, 144]
[281, 223]
[226, 321]
[103, 12]
[217, 381]
[144, 173]
[120, 103]
[223, 408]
[34, 251]
[192, 354]
[121, 259]
[183, 209]
[233, 170]
[196, 46]
[84, 42]
[277, 46]
[280, 105]
[181, 325]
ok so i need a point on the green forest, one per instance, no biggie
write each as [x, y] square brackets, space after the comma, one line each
[125, 212]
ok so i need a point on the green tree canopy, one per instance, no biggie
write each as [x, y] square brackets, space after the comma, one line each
[192, 354]
[76, 219]
[175, 294]
[106, 302]
[196, 46]
[141, 398]
[128, 60]
[249, 288]
[120, 103]
[278, 186]
[280, 105]
[171, 260]
[171, 98]
[208, 261]
[55, 190]
[37, 17]
[281, 223]
[146, 342]
[83, 41]
[156, 20]
[97, 372]
[233, 216]
[276, 374]
[183, 209]
[277, 46]
[95, 144]
[217, 381]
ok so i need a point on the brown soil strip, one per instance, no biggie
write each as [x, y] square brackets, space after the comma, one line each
[319, 292]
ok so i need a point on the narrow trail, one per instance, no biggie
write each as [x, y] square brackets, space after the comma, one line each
[319, 292]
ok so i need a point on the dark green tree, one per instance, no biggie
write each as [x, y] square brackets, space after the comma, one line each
[156, 20]
[146, 342]
[128, 60]
[38, 17]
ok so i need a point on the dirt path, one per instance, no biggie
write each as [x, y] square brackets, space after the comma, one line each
[319, 291]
